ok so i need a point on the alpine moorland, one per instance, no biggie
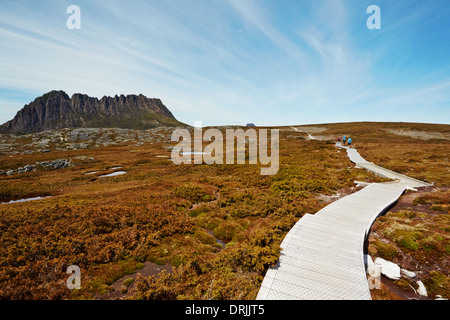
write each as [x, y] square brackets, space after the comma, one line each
[141, 227]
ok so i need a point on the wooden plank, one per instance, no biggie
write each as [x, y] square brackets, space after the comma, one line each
[322, 255]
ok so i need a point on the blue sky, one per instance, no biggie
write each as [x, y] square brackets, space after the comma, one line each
[270, 62]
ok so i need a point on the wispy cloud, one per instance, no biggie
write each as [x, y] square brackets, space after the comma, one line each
[233, 61]
[253, 14]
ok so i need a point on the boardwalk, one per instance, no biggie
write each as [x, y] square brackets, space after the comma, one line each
[410, 183]
[322, 255]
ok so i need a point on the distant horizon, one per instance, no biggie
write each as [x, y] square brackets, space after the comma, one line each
[233, 62]
[235, 124]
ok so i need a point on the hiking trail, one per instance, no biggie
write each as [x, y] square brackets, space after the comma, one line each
[322, 256]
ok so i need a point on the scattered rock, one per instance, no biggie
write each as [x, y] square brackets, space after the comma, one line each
[408, 273]
[52, 165]
[80, 138]
[422, 290]
[388, 269]
[56, 164]
[27, 168]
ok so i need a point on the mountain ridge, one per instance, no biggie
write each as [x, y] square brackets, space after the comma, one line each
[56, 110]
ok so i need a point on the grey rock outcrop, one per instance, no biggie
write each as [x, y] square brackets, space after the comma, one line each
[55, 164]
[49, 165]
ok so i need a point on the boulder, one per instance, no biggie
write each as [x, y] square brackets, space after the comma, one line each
[389, 269]
[408, 273]
[29, 168]
[422, 290]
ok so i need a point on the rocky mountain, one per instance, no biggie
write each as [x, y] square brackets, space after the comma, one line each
[56, 110]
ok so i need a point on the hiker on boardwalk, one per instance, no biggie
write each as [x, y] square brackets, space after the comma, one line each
[343, 140]
[349, 142]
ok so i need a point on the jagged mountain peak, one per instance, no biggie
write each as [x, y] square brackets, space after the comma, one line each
[56, 110]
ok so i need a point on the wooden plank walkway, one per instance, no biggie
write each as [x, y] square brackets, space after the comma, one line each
[322, 256]
[360, 162]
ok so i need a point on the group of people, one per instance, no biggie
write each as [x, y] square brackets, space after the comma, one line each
[344, 140]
